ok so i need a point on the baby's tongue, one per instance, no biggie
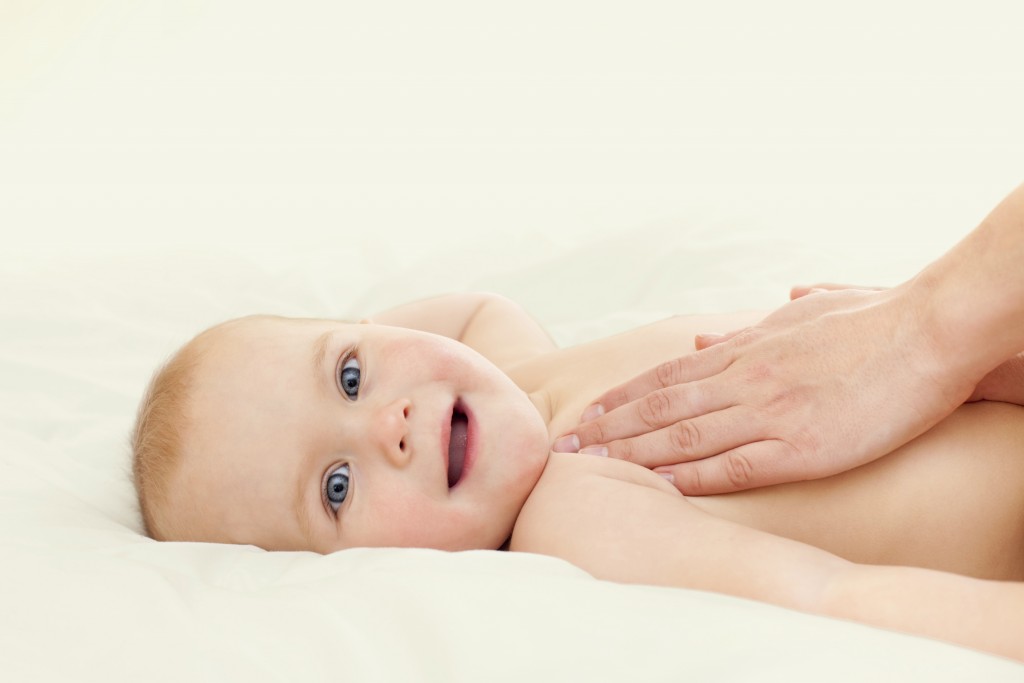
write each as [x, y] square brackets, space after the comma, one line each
[456, 449]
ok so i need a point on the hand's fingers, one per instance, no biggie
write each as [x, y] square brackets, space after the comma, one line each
[803, 290]
[800, 292]
[688, 440]
[654, 411]
[704, 340]
[688, 368]
[761, 463]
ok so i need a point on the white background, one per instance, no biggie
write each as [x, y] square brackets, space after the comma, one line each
[167, 165]
[128, 125]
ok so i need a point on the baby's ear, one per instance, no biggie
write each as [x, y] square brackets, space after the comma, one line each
[365, 321]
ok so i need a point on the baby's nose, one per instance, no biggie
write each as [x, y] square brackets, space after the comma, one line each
[391, 431]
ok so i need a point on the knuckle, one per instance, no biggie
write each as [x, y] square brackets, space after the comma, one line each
[614, 398]
[695, 482]
[591, 433]
[746, 336]
[739, 470]
[624, 450]
[668, 373]
[684, 438]
[689, 480]
[655, 409]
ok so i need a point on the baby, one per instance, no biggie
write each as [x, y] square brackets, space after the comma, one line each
[430, 426]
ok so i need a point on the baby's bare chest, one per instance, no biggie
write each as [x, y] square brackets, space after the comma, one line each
[573, 377]
[952, 499]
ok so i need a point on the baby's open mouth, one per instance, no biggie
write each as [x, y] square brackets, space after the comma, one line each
[457, 445]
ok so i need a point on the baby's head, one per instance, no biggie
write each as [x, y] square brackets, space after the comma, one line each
[300, 434]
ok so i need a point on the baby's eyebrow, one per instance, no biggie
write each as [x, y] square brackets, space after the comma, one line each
[320, 348]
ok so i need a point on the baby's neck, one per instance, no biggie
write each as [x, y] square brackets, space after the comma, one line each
[559, 397]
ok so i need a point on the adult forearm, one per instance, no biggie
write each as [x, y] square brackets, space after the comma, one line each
[973, 296]
[985, 615]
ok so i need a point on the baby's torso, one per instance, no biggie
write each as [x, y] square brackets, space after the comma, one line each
[952, 499]
[576, 375]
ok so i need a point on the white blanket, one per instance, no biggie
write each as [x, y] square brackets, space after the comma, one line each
[165, 166]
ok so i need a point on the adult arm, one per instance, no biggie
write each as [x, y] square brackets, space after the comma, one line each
[622, 523]
[799, 395]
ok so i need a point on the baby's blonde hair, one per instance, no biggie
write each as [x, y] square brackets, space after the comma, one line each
[157, 439]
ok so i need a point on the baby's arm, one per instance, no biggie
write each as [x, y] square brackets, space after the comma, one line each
[498, 328]
[620, 522]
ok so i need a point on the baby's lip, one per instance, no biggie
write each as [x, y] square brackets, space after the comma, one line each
[446, 437]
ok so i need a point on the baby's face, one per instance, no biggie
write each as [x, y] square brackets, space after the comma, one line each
[319, 435]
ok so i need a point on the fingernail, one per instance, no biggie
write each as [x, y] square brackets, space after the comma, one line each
[593, 411]
[570, 443]
[595, 450]
[668, 477]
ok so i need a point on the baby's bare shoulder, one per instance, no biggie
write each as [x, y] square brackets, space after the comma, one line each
[565, 469]
[574, 486]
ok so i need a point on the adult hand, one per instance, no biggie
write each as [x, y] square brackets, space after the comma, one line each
[830, 381]
[1005, 383]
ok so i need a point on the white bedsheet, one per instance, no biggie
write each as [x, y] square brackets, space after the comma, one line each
[165, 166]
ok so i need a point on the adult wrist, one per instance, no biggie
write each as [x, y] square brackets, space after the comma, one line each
[958, 321]
[974, 294]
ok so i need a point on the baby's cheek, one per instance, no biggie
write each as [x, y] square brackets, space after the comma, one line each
[485, 529]
[446, 364]
[437, 359]
[403, 526]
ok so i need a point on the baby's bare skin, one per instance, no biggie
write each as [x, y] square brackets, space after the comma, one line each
[319, 435]
[952, 499]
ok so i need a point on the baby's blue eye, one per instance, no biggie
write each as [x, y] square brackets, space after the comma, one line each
[348, 378]
[337, 487]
